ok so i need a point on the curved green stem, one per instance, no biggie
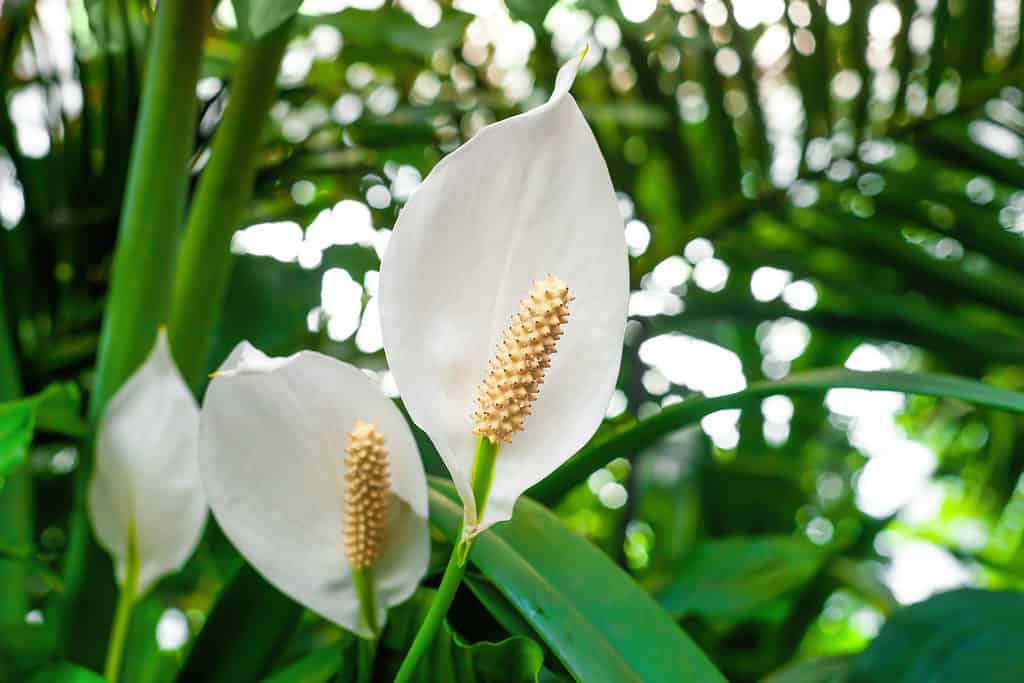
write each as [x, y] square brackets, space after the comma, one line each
[453, 574]
[123, 615]
[483, 475]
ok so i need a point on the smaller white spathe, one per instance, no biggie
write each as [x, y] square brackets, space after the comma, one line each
[146, 472]
[272, 454]
[524, 198]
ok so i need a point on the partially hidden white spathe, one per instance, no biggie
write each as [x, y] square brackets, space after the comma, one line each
[272, 451]
[146, 472]
[526, 197]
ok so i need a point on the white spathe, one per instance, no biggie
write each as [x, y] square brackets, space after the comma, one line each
[272, 454]
[146, 472]
[526, 197]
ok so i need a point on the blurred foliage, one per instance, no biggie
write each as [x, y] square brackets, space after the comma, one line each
[805, 184]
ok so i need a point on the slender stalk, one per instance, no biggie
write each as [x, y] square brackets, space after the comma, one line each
[123, 615]
[154, 201]
[366, 653]
[224, 189]
[453, 574]
[483, 475]
[363, 580]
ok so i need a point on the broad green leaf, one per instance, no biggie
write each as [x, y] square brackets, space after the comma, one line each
[628, 442]
[373, 34]
[820, 670]
[599, 623]
[66, 673]
[320, 665]
[450, 658]
[732, 579]
[962, 635]
[55, 409]
[243, 633]
[257, 18]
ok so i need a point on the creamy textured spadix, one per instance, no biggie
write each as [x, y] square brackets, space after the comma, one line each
[516, 371]
[367, 483]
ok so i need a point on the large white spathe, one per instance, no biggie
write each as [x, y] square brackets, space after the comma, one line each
[146, 472]
[526, 197]
[272, 454]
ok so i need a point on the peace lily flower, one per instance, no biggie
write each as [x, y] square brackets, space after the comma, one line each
[315, 477]
[145, 499]
[503, 302]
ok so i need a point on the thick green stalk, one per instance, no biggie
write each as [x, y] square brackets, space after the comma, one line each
[151, 215]
[123, 615]
[154, 201]
[483, 474]
[224, 189]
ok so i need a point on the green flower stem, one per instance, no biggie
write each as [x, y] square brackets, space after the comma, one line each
[453, 574]
[123, 615]
[154, 200]
[222, 194]
[483, 475]
[363, 581]
[365, 654]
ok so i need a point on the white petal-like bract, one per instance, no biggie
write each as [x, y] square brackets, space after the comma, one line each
[146, 472]
[272, 451]
[526, 197]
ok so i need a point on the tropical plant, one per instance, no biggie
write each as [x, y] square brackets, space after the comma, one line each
[811, 468]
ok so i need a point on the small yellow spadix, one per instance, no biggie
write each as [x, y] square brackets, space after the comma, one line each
[517, 369]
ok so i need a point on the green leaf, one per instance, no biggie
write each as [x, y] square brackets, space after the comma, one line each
[55, 409]
[646, 432]
[319, 666]
[734, 579]
[243, 633]
[599, 623]
[531, 11]
[820, 670]
[66, 673]
[257, 18]
[392, 30]
[962, 635]
[513, 660]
